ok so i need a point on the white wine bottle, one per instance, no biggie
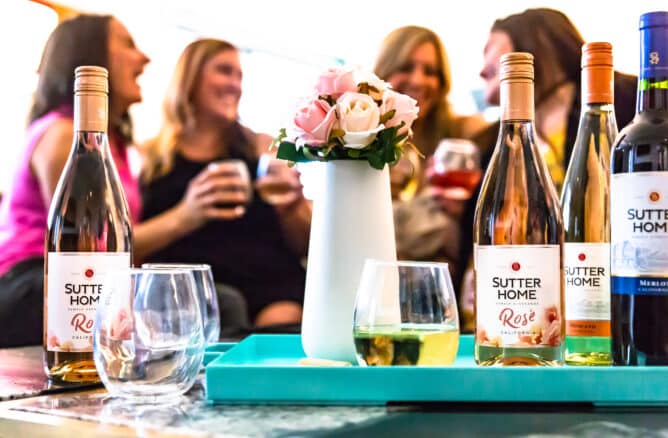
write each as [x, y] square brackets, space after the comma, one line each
[585, 203]
[89, 234]
[518, 239]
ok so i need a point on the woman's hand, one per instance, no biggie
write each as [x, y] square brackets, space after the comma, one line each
[219, 192]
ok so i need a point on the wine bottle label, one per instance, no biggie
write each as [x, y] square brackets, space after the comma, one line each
[587, 288]
[75, 284]
[518, 295]
[639, 233]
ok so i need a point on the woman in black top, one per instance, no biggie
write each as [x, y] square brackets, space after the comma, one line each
[251, 244]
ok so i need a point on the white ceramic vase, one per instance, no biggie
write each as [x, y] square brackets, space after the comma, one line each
[352, 221]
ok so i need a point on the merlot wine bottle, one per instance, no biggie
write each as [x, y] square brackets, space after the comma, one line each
[639, 211]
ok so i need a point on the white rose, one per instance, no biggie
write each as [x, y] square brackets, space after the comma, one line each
[359, 118]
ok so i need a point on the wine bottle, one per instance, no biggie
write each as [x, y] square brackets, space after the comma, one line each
[639, 211]
[88, 234]
[518, 238]
[585, 201]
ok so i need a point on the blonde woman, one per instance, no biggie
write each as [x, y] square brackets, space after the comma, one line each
[211, 209]
[413, 60]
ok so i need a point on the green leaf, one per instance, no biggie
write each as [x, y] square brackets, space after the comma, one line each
[387, 116]
[376, 161]
[354, 153]
[287, 151]
[282, 135]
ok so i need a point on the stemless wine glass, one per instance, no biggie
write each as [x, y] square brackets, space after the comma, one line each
[405, 314]
[455, 167]
[236, 168]
[206, 294]
[273, 179]
[148, 341]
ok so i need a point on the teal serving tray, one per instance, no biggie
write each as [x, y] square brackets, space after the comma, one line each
[264, 369]
[216, 350]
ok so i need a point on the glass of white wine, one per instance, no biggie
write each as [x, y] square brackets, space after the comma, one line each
[406, 314]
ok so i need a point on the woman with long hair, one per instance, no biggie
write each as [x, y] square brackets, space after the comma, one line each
[84, 40]
[414, 61]
[252, 241]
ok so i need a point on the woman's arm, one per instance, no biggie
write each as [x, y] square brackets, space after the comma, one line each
[50, 155]
[201, 203]
[294, 212]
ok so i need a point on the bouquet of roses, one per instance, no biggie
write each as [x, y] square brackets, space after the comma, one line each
[350, 116]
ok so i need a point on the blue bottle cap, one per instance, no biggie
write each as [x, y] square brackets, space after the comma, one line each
[654, 19]
[654, 45]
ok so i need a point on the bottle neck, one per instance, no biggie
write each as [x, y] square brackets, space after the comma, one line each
[516, 97]
[653, 77]
[91, 112]
[652, 94]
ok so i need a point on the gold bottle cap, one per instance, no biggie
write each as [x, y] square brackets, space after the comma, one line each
[91, 87]
[90, 78]
[516, 89]
[597, 73]
[516, 65]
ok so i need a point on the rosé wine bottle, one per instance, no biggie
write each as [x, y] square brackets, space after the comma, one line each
[518, 239]
[88, 234]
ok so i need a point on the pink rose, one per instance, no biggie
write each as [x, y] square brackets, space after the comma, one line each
[335, 82]
[405, 107]
[313, 122]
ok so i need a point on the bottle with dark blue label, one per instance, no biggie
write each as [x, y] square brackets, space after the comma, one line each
[639, 211]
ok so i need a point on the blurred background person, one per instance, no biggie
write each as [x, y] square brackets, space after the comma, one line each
[84, 40]
[556, 44]
[252, 231]
[413, 60]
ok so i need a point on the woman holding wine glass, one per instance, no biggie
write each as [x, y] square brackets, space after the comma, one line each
[252, 239]
[413, 60]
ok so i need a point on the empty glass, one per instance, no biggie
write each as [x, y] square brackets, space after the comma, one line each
[206, 292]
[405, 314]
[148, 343]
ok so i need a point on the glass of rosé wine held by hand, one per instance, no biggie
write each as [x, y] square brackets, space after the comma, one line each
[455, 168]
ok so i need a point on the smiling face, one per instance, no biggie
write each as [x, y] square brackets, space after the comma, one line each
[419, 77]
[498, 44]
[219, 89]
[126, 63]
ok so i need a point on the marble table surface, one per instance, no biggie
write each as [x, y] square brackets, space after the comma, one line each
[21, 376]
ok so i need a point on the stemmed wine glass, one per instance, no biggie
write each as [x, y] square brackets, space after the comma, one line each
[455, 167]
